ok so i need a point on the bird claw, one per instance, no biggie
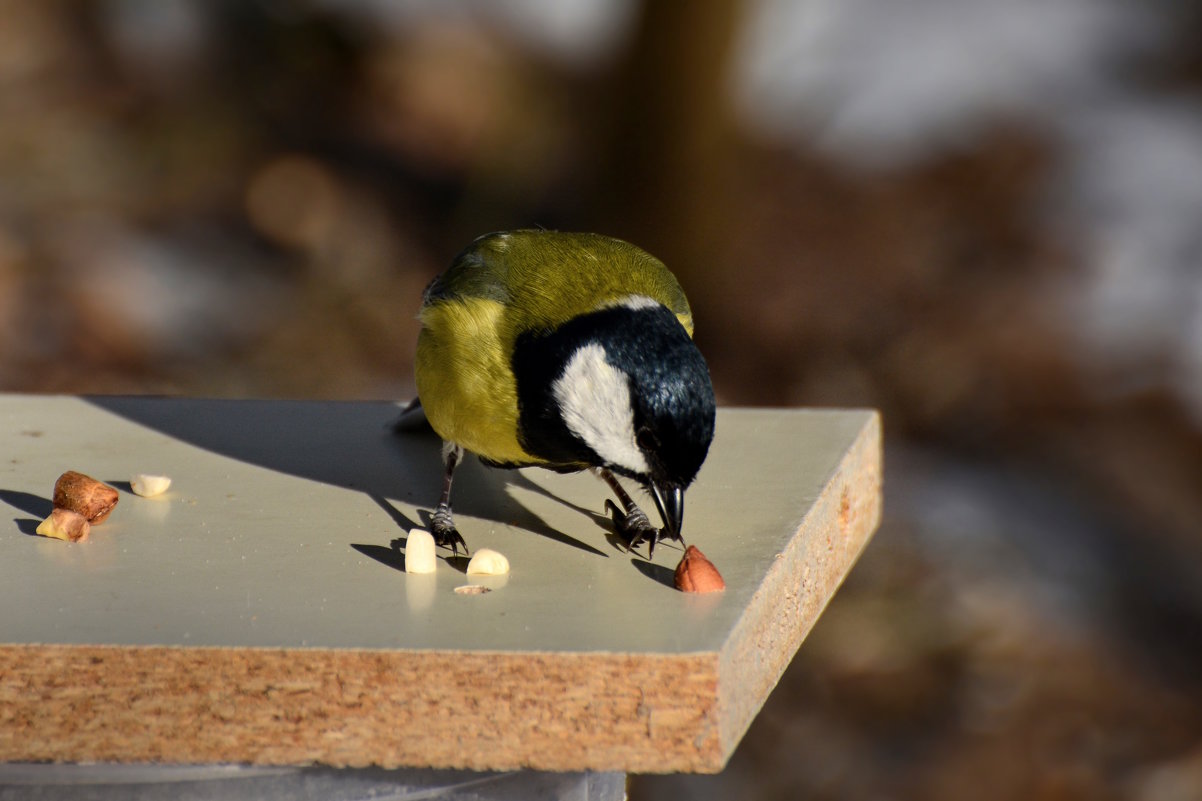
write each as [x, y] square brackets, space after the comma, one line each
[633, 527]
[442, 528]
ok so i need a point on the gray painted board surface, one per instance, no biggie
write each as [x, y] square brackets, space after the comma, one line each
[286, 521]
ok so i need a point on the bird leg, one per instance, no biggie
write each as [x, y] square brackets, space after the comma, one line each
[631, 522]
[442, 526]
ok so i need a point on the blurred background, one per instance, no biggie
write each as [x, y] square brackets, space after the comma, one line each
[984, 219]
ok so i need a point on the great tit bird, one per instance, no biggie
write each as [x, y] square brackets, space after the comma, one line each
[567, 351]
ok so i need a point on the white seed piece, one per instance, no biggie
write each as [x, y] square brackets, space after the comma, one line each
[419, 552]
[147, 485]
[487, 562]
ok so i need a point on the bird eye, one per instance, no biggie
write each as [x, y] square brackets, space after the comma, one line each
[646, 440]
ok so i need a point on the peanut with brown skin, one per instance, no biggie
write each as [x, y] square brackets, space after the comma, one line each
[695, 573]
[84, 495]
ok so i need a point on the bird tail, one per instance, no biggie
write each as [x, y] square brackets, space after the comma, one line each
[412, 418]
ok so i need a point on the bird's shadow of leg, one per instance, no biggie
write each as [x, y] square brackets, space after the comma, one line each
[394, 555]
[658, 573]
[527, 519]
[484, 492]
[516, 479]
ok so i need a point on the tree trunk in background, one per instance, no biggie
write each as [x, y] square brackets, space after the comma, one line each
[670, 126]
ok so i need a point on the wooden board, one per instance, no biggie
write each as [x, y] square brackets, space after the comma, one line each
[259, 612]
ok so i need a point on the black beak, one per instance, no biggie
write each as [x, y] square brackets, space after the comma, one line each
[670, 502]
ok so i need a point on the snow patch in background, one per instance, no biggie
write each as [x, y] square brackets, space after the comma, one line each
[883, 85]
[880, 83]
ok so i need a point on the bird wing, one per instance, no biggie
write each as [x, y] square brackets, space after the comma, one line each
[548, 278]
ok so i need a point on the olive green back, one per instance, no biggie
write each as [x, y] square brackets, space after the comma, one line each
[546, 277]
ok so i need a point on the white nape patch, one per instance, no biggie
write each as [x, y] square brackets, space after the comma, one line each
[635, 302]
[594, 401]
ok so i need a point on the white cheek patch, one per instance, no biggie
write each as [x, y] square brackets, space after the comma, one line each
[594, 400]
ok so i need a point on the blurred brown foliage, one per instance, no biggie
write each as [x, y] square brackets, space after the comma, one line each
[246, 199]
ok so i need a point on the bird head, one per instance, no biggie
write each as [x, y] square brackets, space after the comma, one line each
[622, 387]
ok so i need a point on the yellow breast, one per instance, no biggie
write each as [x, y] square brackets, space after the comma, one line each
[465, 380]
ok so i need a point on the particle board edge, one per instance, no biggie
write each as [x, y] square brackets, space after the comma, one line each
[348, 708]
[805, 576]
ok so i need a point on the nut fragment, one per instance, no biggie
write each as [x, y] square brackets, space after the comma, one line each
[84, 495]
[695, 573]
[487, 562]
[419, 552]
[63, 524]
[147, 485]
